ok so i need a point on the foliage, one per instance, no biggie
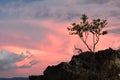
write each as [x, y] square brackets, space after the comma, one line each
[86, 28]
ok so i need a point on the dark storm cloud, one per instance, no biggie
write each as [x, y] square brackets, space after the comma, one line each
[8, 60]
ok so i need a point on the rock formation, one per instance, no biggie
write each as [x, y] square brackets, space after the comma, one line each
[102, 65]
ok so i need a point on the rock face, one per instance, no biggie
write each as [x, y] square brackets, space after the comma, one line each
[41, 77]
[102, 65]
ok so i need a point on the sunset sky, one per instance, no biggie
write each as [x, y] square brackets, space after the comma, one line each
[33, 33]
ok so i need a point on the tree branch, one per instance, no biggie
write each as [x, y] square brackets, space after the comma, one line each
[86, 44]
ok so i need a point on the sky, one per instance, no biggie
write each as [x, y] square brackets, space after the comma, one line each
[33, 33]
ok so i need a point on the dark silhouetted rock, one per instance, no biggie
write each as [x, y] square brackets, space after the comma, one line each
[40, 77]
[102, 65]
[59, 72]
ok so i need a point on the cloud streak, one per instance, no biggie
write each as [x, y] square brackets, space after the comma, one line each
[58, 10]
[8, 60]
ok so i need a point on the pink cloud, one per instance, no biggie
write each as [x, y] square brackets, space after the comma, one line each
[54, 46]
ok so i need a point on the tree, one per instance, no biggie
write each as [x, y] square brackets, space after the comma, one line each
[86, 28]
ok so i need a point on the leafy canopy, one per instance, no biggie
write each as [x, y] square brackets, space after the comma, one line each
[86, 27]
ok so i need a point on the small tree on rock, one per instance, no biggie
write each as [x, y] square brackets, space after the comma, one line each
[86, 28]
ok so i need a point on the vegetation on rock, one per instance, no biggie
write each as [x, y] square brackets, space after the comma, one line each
[90, 65]
[86, 28]
[103, 65]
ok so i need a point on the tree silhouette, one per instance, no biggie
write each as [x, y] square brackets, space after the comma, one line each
[86, 28]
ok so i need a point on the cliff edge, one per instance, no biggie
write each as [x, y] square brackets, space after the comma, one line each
[101, 65]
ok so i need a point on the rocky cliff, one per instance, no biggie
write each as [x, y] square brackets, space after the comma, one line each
[102, 65]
